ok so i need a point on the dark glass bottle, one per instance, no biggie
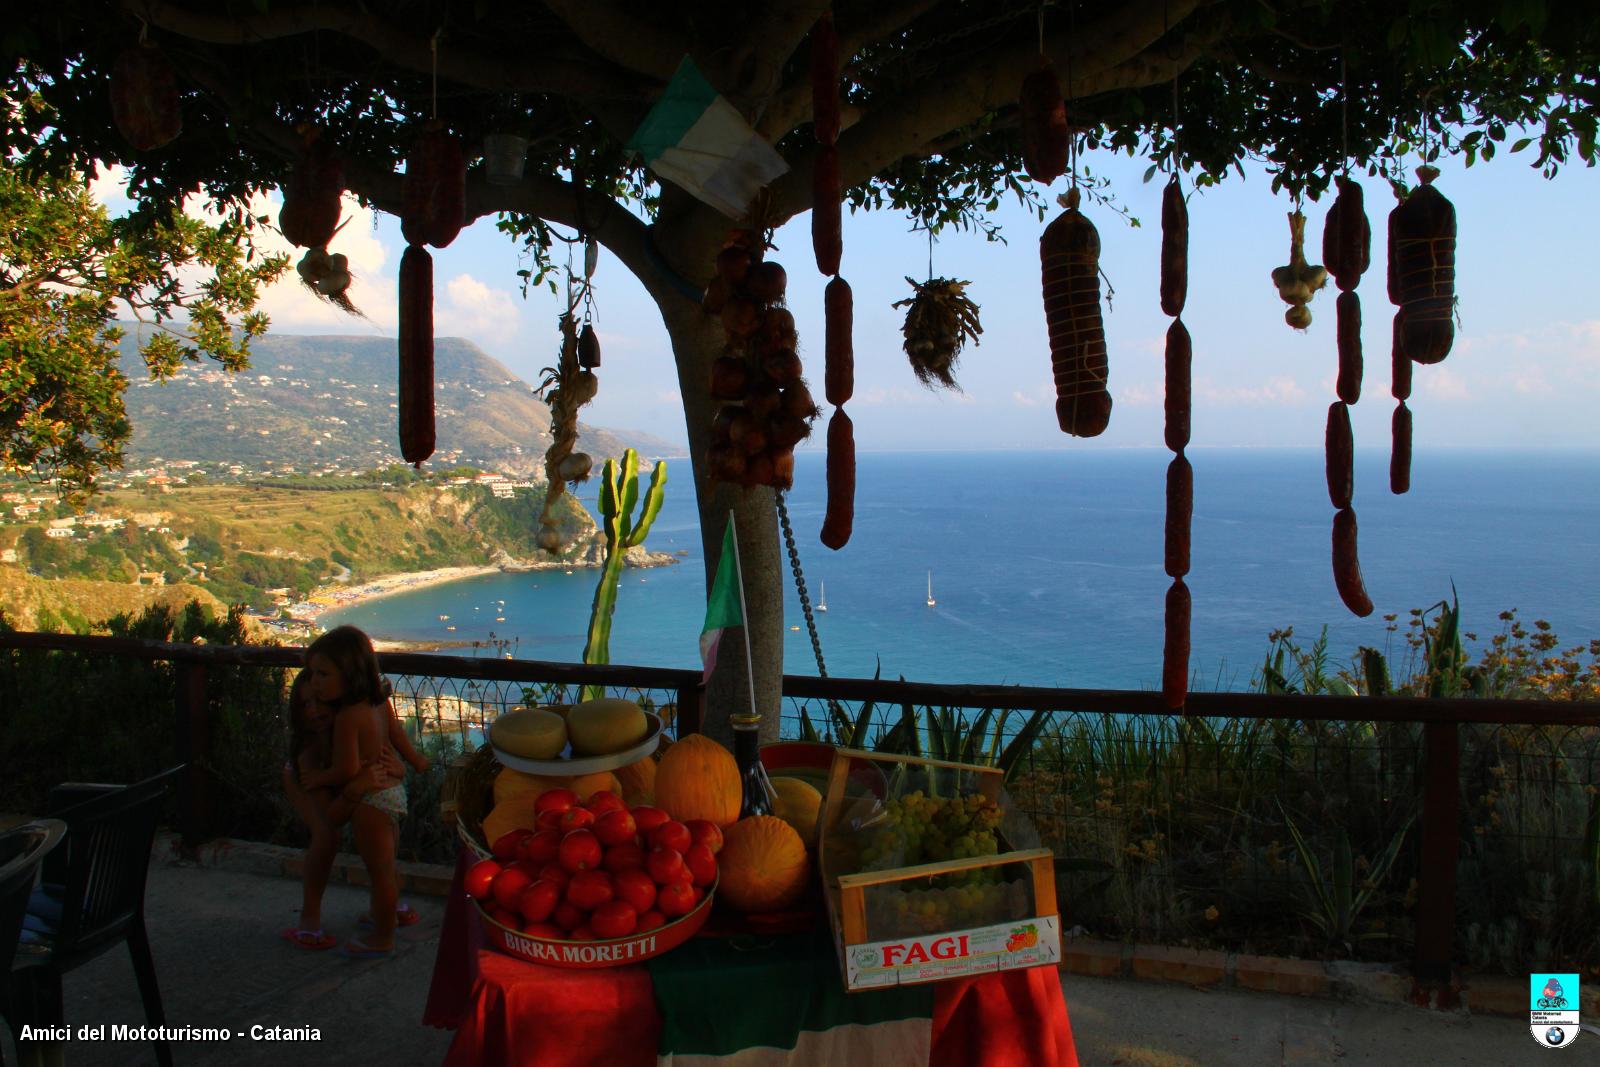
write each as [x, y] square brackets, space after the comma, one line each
[747, 754]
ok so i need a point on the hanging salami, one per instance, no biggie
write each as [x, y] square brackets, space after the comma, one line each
[144, 98]
[310, 214]
[1400, 450]
[839, 375]
[1347, 564]
[416, 355]
[1043, 111]
[1178, 387]
[840, 518]
[825, 80]
[434, 189]
[1422, 269]
[1069, 253]
[827, 239]
[1174, 249]
[1175, 649]
[1180, 475]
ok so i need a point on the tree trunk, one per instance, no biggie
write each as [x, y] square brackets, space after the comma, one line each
[697, 340]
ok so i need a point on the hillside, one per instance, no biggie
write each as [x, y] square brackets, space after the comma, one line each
[328, 402]
[240, 541]
[28, 602]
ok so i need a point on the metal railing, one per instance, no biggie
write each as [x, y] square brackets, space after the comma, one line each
[1112, 767]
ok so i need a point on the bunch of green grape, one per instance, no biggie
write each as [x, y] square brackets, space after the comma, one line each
[916, 828]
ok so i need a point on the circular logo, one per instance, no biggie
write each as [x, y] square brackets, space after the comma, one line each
[1554, 1036]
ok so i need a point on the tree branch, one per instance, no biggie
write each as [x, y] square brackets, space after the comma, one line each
[562, 74]
[792, 104]
[757, 68]
[614, 34]
[990, 82]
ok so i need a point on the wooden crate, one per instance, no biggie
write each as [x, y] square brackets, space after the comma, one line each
[1019, 924]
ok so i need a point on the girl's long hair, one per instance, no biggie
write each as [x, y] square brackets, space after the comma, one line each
[357, 664]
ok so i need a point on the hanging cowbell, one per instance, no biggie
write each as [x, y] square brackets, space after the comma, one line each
[588, 348]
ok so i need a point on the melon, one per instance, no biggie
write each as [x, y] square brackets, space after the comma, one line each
[799, 804]
[698, 779]
[531, 734]
[512, 783]
[513, 813]
[762, 865]
[610, 724]
[638, 782]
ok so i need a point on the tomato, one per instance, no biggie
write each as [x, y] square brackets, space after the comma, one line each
[705, 832]
[672, 834]
[509, 919]
[582, 933]
[540, 848]
[615, 828]
[702, 864]
[579, 851]
[589, 889]
[479, 877]
[548, 931]
[615, 918]
[554, 872]
[675, 899]
[555, 800]
[649, 818]
[508, 886]
[666, 866]
[650, 920]
[549, 820]
[636, 887]
[576, 819]
[505, 846]
[621, 857]
[566, 916]
[604, 800]
[538, 901]
[699, 895]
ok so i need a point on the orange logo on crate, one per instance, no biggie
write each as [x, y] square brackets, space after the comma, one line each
[1022, 937]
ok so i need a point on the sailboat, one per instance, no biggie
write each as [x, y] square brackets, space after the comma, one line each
[930, 589]
[822, 598]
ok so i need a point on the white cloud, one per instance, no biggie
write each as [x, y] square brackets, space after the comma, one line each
[109, 188]
[469, 308]
[1274, 391]
[1024, 400]
[1442, 383]
[1143, 395]
[293, 307]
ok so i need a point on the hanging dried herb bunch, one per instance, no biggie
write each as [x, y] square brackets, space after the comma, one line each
[941, 320]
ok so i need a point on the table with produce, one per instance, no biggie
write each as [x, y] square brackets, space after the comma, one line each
[624, 897]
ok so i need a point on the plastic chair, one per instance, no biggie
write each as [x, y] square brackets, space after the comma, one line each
[22, 850]
[92, 894]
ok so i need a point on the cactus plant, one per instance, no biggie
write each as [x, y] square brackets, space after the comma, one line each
[619, 495]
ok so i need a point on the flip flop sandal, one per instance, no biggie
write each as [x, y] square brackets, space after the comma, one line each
[310, 940]
[360, 950]
[406, 916]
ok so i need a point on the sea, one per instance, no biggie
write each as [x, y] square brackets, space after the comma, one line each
[1046, 568]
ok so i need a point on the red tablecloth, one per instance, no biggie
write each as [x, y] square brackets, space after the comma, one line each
[509, 1012]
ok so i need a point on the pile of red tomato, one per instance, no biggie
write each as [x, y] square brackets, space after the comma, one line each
[596, 870]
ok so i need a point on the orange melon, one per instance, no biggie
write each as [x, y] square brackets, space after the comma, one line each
[638, 782]
[512, 783]
[513, 813]
[799, 804]
[762, 865]
[698, 779]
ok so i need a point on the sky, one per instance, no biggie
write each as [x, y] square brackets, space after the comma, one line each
[1524, 371]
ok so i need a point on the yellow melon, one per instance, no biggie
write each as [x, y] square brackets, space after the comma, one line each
[610, 724]
[638, 782]
[698, 779]
[762, 865]
[530, 733]
[512, 783]
[513, 813]
[799, 804]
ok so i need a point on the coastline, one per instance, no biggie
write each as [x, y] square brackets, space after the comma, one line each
[330, 598]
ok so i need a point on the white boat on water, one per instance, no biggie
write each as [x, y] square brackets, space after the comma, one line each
[930, 589]
[444, 618]
[822, 597]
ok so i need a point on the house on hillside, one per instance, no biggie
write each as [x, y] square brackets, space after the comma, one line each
[58, 533]
[150, 578]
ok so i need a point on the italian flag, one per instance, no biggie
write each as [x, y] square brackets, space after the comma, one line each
[697, 140]
[723, 606]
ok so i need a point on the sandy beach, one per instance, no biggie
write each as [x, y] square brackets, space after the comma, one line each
[341, 596]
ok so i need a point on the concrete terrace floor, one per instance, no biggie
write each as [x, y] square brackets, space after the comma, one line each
[213, 934]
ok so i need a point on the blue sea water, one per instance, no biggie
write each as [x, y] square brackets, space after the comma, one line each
[1047, 566]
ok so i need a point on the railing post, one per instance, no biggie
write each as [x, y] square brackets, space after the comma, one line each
[1441, 843]
[691, 709]
[193, 733]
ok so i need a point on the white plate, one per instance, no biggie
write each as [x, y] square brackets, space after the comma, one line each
[567, 765]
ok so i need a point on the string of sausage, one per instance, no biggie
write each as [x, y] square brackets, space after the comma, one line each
[827, 243]
[1180, 475]
[1422, 283]
[1346, 251]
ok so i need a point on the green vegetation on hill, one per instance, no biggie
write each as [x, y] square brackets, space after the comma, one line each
[240, 541]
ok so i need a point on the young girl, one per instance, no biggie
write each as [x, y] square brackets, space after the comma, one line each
[344, 674]
[307, 784]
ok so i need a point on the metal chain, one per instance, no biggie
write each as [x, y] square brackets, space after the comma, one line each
[800, 580]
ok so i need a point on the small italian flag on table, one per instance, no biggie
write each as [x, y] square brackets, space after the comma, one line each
[696, 139]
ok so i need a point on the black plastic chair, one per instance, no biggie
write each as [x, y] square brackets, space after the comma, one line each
[91, 895]
[22, 850]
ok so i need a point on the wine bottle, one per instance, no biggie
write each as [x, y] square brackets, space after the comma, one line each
[747, 754]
